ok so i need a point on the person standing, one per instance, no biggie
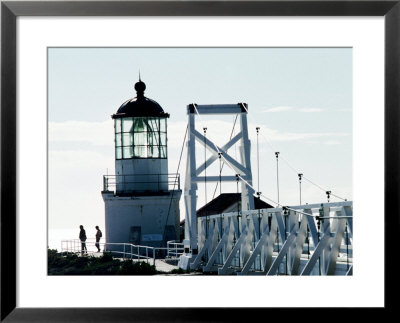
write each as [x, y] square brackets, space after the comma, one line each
[98, 236]
[82, 237]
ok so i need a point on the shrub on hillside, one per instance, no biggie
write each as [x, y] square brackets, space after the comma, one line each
[138, 268]
[72, 264]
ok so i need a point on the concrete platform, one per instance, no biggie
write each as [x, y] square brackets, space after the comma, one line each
[161, 265]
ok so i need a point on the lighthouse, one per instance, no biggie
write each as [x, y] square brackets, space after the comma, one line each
[142, 198]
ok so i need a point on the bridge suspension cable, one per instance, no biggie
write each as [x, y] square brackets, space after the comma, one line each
[173, 189]
[220, 153]
[246, 182]
[219, 156]
[293, 168]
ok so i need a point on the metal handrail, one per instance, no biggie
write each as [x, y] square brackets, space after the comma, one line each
[74, 245]
[129, 251]
[176, 250]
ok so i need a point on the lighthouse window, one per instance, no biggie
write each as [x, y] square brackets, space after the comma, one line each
[140, 151]
[118, 126]
[163, 125]
[163, 139]
[118, 152]
[118, 140]
[127, 124]
[155, 151]
[141, 137]
[127, 152]
[127, 139]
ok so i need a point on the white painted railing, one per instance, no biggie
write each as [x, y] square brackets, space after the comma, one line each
[123, 250]
[301, 240]
[174, 249]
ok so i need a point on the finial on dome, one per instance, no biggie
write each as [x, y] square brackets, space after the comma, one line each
[140, 87]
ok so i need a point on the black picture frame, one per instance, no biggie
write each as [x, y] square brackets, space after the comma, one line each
[10, 10]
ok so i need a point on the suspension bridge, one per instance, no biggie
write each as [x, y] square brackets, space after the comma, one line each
[313, 239]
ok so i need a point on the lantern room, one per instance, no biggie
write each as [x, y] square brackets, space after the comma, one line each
[140, 137]
[141, 144]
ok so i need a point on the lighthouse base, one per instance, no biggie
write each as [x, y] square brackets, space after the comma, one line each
[146, 220]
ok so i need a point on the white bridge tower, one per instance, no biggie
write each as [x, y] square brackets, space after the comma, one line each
[194, 171]
[310, 239]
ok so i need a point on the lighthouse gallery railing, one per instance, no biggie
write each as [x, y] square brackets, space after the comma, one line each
[148, 182]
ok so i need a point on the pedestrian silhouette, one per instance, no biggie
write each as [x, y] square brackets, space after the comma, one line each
[98, 236]
[82, 237]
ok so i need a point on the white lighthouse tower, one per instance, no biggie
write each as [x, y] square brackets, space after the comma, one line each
[141, 199]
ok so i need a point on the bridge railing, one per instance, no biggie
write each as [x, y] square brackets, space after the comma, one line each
[300, 240]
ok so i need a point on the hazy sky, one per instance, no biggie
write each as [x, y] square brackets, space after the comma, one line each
[300, 97]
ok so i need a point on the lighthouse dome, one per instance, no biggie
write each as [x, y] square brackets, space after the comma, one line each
[140, 106]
